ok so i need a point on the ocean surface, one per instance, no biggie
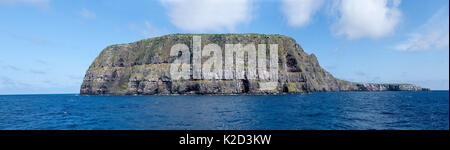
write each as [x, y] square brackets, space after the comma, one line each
[316, 111]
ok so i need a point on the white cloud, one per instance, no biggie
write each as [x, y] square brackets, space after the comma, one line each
[37, 3]
[208, 15]
[299, 12]
[85, 13]
[366, 18]
[433, 34]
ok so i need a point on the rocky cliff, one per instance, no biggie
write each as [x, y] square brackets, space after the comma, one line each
[143, 67]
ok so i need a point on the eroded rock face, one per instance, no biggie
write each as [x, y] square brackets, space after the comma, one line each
[143, 67]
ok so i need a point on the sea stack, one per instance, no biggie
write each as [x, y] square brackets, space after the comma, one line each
[144, 68]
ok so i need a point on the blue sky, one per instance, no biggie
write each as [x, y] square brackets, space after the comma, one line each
[47, 45]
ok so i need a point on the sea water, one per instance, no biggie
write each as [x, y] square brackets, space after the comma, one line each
[316, 111]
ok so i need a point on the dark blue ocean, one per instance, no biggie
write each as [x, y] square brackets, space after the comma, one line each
[316, 111]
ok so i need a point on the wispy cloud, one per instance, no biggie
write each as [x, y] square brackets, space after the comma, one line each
[300, 12]
[366, 18]
[10, 85]
[85, 13]
[11, 67]
[433, 34]
[208, 15]
[360, 73]
[40, 61]
[51, 83]
[146, 29]
[34, 71]
[7, 83]
[27, 38]
[43, 4]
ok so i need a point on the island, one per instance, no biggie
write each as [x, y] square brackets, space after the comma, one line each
[215, 64]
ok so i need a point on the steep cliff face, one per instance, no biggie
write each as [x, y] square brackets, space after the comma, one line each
[143, 67]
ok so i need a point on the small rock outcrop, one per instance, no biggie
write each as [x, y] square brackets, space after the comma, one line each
[143, 67]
